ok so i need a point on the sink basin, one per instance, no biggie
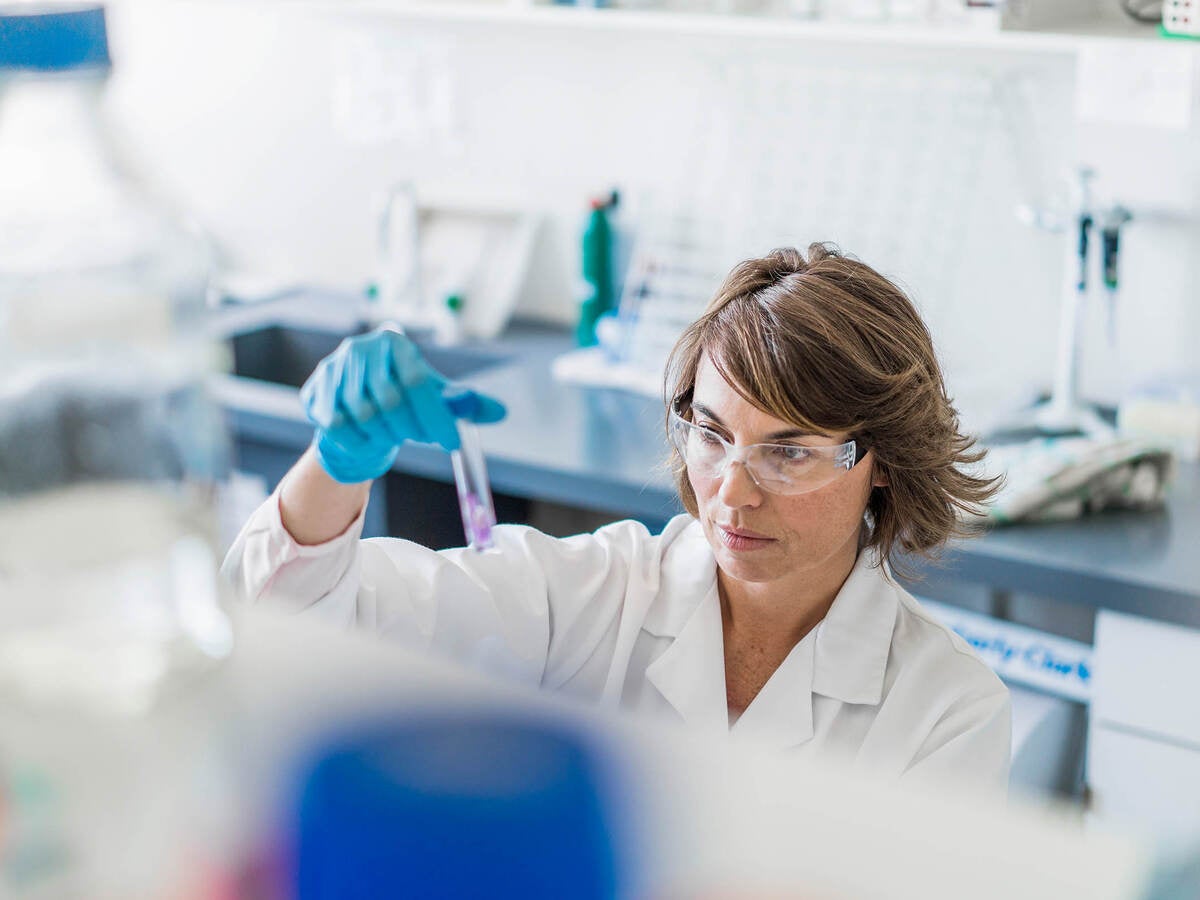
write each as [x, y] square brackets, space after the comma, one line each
[285, 354]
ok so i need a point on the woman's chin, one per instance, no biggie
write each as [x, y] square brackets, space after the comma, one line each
[742, 566]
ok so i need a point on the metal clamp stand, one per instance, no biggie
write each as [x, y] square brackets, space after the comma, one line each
[1064, 413]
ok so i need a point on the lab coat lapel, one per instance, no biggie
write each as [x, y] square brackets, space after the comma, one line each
[781, 715]
[844, 657]
[854, 640]
[690, 674]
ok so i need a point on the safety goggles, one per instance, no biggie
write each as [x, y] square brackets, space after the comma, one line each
[777, 468]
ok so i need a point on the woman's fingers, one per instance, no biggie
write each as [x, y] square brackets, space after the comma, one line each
[422, 389]
[478, 408]
[317, 396]
[351, 400]
[395, 418]
[434, 417]
[377, 391]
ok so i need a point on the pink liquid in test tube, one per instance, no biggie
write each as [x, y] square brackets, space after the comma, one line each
[474, 488]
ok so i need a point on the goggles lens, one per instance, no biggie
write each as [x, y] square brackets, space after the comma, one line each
[778, 468]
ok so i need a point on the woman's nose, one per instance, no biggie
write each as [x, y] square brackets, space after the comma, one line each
[737, 487]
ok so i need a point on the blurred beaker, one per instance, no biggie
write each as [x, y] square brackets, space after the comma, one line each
[110, 446]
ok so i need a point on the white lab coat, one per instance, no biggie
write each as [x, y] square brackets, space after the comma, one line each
[630, 619]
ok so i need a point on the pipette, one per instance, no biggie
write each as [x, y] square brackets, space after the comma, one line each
[1112, 221]
[474, 488]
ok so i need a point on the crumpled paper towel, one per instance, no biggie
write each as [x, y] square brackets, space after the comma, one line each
[1059, 478]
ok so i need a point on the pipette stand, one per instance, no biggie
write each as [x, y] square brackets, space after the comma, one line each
[1064, 414]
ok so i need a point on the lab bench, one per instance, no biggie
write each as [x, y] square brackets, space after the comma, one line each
[605, 451]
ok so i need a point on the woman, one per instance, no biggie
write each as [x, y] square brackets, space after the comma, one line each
[813, 438]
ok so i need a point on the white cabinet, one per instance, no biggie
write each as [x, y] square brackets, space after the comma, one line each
[1149, 786]
[1143, 759]
[1147, 677]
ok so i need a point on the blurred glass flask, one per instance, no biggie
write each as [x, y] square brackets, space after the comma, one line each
[110, 448]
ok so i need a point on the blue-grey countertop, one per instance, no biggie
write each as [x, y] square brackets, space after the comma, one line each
[605, 450]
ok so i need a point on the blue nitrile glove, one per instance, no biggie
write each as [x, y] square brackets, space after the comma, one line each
[373, 393]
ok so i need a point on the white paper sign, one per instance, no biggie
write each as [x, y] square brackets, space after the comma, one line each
[1147, 84]
[1023, 655]
[390, 87]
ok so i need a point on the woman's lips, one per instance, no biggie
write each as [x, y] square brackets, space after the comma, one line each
[741, 539]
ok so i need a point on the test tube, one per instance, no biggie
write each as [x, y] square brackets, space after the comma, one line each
[474, 489]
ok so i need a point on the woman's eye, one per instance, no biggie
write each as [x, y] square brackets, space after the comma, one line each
[790, 453]
[708, 437]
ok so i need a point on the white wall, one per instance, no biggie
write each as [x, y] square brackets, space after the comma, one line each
[280, 125]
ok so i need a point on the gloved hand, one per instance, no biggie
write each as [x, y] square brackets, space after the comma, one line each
[373, 393]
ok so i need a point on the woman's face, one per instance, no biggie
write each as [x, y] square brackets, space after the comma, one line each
[762, 537]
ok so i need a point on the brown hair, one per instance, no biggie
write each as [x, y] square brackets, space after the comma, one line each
[829, 344]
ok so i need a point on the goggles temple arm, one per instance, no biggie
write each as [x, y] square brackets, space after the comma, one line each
[684, 401]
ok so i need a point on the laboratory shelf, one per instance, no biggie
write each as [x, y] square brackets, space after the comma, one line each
[773, 28]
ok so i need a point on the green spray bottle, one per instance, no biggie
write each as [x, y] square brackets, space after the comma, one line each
[599, 293]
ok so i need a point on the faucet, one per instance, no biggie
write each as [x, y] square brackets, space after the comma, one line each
[400, 298]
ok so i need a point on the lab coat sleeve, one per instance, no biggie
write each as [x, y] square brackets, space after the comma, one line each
[971, 744]
[536, 607]
[267, 567]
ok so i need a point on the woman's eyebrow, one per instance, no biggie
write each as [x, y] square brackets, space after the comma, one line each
[786, 434]
[706, 412]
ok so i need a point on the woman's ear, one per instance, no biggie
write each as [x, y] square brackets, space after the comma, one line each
[878, 476]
